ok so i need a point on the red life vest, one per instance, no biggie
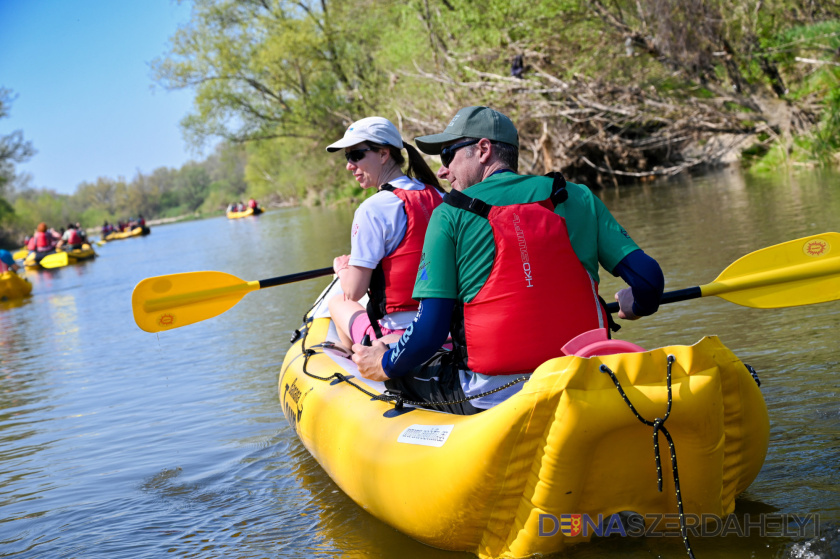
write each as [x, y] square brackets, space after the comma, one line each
[41, 242]
[392, 282]
[537, 297]
[73, 237]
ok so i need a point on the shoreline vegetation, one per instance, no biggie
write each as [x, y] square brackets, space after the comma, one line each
[610, 93]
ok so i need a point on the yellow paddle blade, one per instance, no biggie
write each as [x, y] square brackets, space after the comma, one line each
[56, 260]
[800, 272]
[167, 302]
[21, 254]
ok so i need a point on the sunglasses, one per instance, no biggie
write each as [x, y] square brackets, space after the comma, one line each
[356, 155]
[447, 154]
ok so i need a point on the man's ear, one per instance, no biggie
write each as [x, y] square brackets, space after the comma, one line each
[485, 149]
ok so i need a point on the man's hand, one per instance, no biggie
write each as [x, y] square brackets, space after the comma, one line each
[625, 304]
[369, 360]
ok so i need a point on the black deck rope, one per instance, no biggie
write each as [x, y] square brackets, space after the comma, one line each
[659, 426]
[395, 397]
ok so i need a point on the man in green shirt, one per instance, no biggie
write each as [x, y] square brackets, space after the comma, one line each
[479, 152]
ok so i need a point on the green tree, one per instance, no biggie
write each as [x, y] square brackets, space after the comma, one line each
[193, 183]
[13, 149]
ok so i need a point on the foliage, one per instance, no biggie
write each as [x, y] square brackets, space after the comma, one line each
[635, 84]
[13, 149]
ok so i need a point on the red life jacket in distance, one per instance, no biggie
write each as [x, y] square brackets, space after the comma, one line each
[73, 237]
[392, 282]
[41, 242]
[537, 297]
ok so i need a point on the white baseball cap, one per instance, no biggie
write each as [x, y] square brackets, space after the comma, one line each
[371, 129]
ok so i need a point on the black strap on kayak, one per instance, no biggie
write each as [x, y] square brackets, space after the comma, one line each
[659, 425]
[307, 320]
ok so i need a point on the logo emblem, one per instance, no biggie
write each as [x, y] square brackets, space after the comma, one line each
[816, 247]
[166, 319]
[570, 524]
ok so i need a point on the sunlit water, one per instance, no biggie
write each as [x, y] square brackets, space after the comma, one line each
[119, 443]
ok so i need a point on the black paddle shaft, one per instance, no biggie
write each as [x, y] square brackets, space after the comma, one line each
[669, 297]
[292, 278]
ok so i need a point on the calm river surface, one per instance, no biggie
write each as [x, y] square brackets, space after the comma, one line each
[119, 443]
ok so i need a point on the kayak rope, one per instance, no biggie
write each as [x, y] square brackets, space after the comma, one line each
[659, 425]
[389, 396]
[308, 319]
[396, 397]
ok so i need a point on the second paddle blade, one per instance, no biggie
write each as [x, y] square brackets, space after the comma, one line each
[167, 302]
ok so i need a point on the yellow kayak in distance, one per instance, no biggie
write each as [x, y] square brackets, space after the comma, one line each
[127, 234]
[244, 213]
[13, 286]
[498, 484]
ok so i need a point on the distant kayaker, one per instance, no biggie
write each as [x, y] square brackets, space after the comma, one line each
[252, 203]
[43, 240]
[510, 266]
[7, 262]
[70, 239]
[387, 232]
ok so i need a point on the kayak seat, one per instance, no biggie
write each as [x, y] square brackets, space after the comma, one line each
[595, 342]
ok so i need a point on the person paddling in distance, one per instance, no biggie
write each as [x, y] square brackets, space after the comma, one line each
[71, 239]
[387, 232]
[43, 241]
[510, 267]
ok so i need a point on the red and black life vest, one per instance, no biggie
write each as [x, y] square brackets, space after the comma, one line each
[538, 295]
[392, 282]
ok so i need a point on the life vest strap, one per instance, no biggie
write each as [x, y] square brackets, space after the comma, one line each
[559, 194]
[461, 201]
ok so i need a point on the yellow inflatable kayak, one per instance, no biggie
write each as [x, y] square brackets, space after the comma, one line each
[513, 480]
[84, 253]
[59, 258]
[244, 213]
[12, 286]
[128, 233]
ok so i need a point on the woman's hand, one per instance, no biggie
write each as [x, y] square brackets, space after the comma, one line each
[341, 262]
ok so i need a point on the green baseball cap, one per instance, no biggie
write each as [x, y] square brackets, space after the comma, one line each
[472, 122]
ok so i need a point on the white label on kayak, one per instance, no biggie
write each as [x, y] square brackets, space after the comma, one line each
[426, 435]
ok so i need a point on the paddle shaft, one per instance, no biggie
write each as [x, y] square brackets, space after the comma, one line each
[669, 297]
[300, 276]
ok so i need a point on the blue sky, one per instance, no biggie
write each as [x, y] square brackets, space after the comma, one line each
[85, 94]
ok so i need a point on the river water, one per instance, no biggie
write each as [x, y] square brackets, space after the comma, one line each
[119, 443]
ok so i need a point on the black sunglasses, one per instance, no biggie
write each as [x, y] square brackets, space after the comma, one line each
[356, 155]
[447, 154]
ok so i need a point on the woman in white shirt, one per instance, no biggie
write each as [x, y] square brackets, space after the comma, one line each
[386, 239]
